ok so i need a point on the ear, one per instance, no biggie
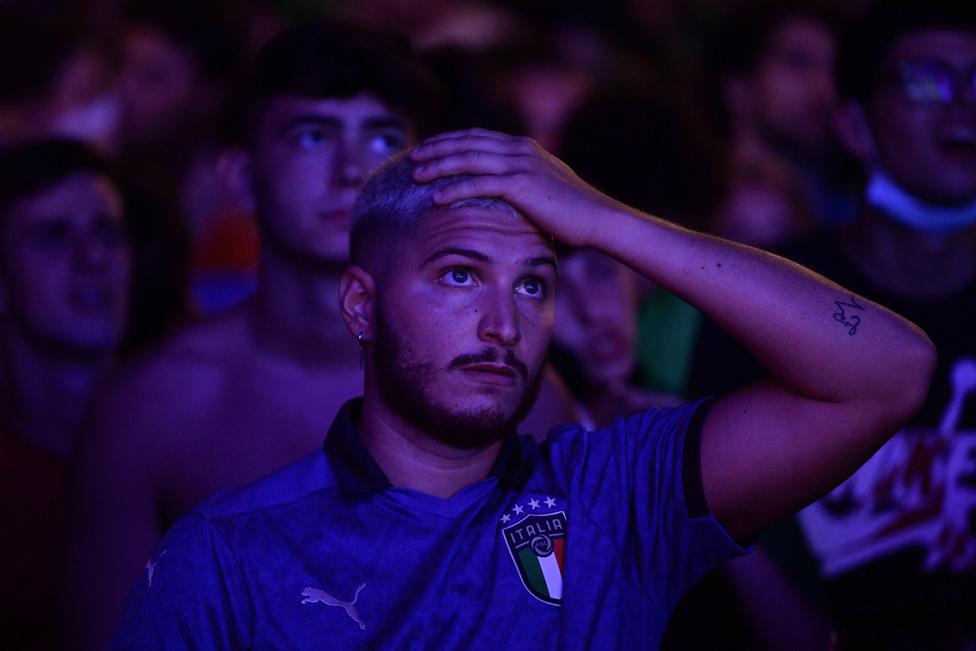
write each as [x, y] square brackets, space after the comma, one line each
[234, 168]
[357, 294]
[854, 132]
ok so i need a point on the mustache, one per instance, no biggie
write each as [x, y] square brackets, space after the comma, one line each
[491, 356]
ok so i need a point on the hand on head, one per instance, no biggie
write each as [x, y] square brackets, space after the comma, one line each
[517, 170]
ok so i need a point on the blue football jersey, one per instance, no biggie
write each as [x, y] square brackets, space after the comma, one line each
[585, 541]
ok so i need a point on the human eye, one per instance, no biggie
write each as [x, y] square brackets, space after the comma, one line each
[49, 236]
[532, 287]
[926, 80]
[388, 141]
[310, 137]
[457, 277]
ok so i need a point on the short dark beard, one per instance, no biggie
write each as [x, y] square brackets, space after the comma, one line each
[403, 386]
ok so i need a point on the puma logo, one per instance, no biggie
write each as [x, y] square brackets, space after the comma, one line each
[317, 595]
[151, 568]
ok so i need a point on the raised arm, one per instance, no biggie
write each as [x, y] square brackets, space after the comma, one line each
[843, 372]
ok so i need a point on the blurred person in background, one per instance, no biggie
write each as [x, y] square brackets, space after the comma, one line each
[177, 62]
[894, 544]
[56, 79]
[594, 337]
[774, 98]
[546, 88]
[763, 205]
[645, 144]
[64, 283]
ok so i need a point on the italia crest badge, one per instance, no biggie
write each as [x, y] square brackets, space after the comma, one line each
[537, 544]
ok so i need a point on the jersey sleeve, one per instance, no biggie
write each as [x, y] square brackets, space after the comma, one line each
[190, 596]
[639, 481]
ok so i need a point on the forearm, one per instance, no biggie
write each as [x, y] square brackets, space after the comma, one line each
[815, 337]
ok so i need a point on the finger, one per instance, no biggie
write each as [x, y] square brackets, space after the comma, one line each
[456, 144]
[469, 162]
[477, 131]
[489, 185]
[450, 146]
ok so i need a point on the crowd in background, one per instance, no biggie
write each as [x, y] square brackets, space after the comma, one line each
[122, 229]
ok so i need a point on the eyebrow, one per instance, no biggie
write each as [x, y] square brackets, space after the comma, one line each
[385, 122]
[308, 120]
[453, 250]
[542, 260]
[312, 119]
[481, 257]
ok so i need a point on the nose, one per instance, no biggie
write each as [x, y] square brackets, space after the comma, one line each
[499, 323]
[350, 164]
[591, 305]
[89, 252]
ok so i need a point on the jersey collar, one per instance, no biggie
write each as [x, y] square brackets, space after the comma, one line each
[359, 476]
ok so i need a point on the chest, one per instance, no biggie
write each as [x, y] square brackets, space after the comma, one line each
[502, 574]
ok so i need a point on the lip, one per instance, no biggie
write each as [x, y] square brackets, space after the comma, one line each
[90, 299]
[497, 374]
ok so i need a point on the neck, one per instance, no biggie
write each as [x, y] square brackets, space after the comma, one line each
[295, 314]
[907, 262]
[48, 393]
[411, 459]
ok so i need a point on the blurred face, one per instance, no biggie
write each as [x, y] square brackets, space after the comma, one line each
[158, 85]
[927, 146]
[759, 214]
[463, 322]
[82, 104]
[596, 314]
[308, 159]
[547, 97]
[793, 85]
[65, 274]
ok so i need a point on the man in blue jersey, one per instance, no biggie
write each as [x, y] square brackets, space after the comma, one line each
[425, 523]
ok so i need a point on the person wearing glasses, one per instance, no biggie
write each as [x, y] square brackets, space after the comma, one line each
[895, 544]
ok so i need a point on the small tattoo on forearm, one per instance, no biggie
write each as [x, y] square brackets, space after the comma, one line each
[852, 321]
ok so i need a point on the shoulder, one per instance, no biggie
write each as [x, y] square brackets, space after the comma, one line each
[179, 373]
[151, 402]
[652, 446]
[209, 344]
[307, 477]
[655, 421]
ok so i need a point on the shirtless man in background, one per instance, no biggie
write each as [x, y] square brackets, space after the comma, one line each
[233, 398]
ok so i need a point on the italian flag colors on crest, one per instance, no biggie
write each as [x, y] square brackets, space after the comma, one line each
[537, 543]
